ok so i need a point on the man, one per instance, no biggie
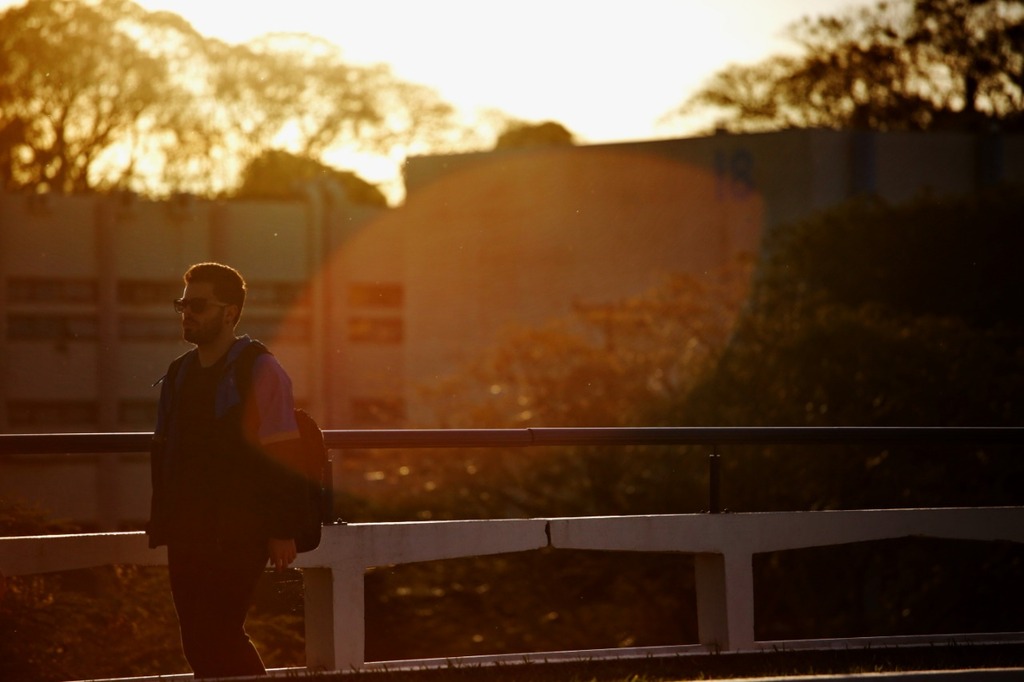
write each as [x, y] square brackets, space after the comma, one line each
[223, 499]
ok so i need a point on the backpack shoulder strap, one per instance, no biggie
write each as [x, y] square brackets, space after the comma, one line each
[174, 376]
[170, 377]
[243, 365]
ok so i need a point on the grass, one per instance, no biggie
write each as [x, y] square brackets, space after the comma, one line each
[723, 666]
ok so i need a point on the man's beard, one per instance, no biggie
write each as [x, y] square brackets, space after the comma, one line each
[202, 332]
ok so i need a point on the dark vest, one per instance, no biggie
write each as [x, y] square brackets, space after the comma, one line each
[210, 481]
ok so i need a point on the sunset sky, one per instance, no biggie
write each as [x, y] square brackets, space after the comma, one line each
[606, 70]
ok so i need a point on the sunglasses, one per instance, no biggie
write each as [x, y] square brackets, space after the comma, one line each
[195, 305]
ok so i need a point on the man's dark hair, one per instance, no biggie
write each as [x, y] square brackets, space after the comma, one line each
[228, 283]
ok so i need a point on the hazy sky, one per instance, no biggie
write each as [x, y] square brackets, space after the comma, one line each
[606, 70]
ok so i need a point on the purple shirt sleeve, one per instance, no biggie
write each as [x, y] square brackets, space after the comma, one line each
[273, 390]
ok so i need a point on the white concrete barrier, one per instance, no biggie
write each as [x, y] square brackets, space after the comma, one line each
[723, 544]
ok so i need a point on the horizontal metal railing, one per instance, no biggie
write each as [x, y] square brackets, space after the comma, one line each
[57, 443]
[709, 436]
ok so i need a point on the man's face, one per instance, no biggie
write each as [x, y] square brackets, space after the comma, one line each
[206, 326]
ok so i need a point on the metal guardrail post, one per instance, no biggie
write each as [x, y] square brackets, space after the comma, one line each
[714, 481]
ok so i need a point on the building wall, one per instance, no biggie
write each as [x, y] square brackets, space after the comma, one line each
[365, 300]
[365, 306]
[86, 289]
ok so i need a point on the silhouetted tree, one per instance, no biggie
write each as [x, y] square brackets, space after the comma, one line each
[75, 86]
[873, 315]
[902, 65]
[277, 174]
[104, 94]
[548, 134]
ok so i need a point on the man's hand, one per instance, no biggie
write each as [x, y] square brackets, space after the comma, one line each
[282, 553]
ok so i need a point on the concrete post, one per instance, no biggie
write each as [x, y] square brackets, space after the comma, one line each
[725, 600]
[334, 618]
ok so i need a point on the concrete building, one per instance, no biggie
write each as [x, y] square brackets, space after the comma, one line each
[364, 306]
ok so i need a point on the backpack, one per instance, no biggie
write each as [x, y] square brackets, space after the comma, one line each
[317, 499]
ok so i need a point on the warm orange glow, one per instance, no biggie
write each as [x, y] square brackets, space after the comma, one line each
[607, 71]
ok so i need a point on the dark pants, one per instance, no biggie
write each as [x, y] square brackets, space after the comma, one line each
[212, 592]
